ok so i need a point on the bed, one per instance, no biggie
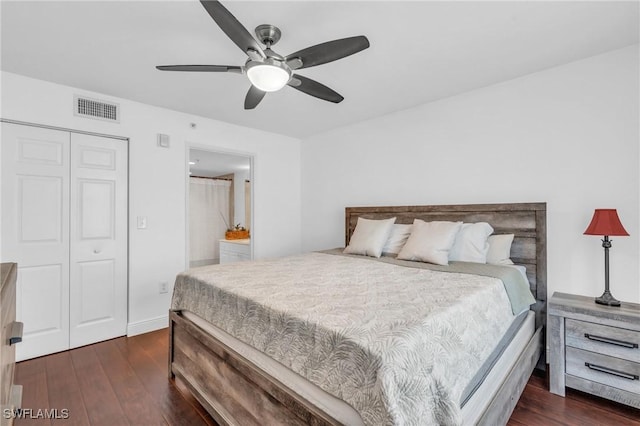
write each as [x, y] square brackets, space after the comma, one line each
[239, 385]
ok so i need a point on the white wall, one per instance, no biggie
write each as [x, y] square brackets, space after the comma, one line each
[568, 136]
[157, 182]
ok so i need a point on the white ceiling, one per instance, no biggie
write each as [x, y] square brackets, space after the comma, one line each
[420, 51]
[214, 164]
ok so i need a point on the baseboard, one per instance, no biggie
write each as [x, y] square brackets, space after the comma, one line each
[140, 327]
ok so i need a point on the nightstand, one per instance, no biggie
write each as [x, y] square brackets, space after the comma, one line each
[594, 348]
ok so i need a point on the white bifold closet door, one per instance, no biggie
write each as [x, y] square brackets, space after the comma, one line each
[64, 221]
[98, 261]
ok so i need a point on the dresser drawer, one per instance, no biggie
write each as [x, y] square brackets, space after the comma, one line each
[614, 341]
[227, 257]
[7, 352]
[610, 371]
[9, 393]
[239, 248]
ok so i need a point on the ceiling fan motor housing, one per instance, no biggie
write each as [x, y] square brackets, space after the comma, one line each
[268, 34]
[267, 70]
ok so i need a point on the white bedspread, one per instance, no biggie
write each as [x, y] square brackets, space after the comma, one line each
[398, 344]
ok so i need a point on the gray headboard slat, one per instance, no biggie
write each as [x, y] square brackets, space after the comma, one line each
[527, 221]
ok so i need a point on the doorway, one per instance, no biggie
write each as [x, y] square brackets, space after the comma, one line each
[219, 201]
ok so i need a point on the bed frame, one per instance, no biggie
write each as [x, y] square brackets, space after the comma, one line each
[236, 392]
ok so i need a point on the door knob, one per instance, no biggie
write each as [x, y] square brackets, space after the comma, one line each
[96, 251]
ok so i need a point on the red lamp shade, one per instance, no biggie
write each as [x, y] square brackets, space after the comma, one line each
[606, 222]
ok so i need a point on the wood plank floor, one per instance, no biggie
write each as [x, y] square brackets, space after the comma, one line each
[124, 382]
[118, 382]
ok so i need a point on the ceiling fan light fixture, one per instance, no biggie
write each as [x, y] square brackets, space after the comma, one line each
[268, 76]
[267, 70]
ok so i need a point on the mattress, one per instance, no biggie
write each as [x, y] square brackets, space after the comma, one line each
[471, 411]
[399, 344]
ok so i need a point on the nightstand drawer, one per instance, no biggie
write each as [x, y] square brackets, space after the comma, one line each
[234, 247]
[603, 339]
[610, 371]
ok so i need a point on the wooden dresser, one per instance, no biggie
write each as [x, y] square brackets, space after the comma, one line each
[10, 394]
[594, 348]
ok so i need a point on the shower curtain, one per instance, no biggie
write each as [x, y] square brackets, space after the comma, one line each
[208, 204]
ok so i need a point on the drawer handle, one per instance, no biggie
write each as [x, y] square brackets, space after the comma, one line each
[611, 371]
[15, 333]
[611, 341]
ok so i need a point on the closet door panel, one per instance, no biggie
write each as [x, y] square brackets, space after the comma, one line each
[96, 213]
[98, 294]
[38, 194]
[35, 233]
[41, 290]
[96, 285]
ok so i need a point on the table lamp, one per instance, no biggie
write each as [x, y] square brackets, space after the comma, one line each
[606, 222]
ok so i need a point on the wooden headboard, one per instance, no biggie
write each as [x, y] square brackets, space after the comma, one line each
[527, 221]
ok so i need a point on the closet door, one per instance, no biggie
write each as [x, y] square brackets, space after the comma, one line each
[98, 292]
[35, 233]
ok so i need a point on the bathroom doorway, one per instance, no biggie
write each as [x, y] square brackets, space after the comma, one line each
[219, 207]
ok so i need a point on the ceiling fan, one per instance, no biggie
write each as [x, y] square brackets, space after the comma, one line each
[267, 70]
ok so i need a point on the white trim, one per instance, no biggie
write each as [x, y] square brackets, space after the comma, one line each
[153, 324]
[62, 129]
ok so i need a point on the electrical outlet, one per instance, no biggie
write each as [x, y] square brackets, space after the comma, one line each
[163, 287]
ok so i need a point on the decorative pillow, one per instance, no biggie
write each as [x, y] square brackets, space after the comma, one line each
[500, 249]
[430, 241]
[471, 243]
[397, 238]
[369, 237]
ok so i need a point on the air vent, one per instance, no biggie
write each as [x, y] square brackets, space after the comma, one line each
[92, 108]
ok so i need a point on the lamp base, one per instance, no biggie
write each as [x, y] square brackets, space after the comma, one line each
[607, 299]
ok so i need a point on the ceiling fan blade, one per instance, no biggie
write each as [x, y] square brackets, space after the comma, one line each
[313, 88]
[233, 28]
[327, 52]
[201, 68]
[253, 98]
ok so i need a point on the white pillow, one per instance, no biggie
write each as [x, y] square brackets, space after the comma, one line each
[369, 237]
[500, 249]
[430, 241]
[397, 238]
[471, 243]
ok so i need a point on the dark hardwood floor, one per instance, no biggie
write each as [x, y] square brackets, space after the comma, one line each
[124, 382]
[538, 406]
[118, 382]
